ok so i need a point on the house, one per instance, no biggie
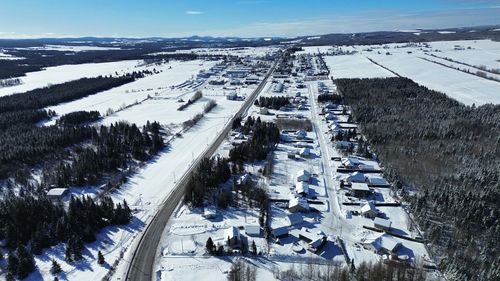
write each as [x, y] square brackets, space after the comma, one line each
[305, 152]
[356, 177]
[264, 110]
[232, 96]
[360, 190]
[330, 105]
[294, 219]
[209, 212]
[300, 134]
[298, 204]
[244, 179]
[303, 175]
[280, 232]
[382, 224]
[302, 188]
[239, 136]
[368, 210]
[315, 240]
[350, 162]
[291, 155]
[57, 193]
[278, 88]
[384, 244]
[252, 230]
[232, 234]
[330, 116]
[252, 79]
[343, 144]
[302, 107]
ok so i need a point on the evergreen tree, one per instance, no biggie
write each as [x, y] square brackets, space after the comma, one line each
[210, 246]
[26, 262]
[100, 258]
[56, 267]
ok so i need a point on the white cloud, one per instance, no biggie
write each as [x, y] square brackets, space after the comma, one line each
[193, 13]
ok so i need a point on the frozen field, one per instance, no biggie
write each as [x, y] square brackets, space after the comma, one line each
[173, 73]
[355, 66]
[240, 52]
[406, 60]
[65, 73]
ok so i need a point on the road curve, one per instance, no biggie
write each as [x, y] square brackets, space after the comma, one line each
[141, 265]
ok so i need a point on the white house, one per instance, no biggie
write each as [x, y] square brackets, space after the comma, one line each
[368, 210]
[264, 110]
[303, 175]
[360, 189]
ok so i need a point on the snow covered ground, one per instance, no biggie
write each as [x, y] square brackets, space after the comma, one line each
[241, 52]
[156, 85]
[355, 66]
[65, 73]
[66, 48]
[406, 60]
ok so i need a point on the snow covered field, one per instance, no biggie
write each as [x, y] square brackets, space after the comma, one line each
[355, 66]
[406, 60]
[65, 73]
[66, 48]
[240, 52]
[173, 73]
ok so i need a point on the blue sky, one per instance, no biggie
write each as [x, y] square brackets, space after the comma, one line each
[246, 18]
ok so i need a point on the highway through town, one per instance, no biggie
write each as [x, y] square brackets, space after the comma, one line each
[141, 265]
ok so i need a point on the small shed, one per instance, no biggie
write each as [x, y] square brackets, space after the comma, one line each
[252, 230]
[382, 224]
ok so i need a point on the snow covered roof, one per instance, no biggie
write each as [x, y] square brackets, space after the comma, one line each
[359, 186]
[368, 207]
[357, 177]
[298, 202]
[279, 231]
[377, 180]
[312, 237]
[305, 151]
[209, 212]
[252, 229]
[301, 134]
[382, 222]
[301, 187]
[387, 243]
[295, 218]
[57, 192]
[303, 175]
[232, 232]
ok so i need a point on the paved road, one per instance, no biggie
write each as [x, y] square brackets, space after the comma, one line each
[141, 265]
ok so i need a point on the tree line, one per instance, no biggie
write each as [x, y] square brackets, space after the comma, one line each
[450, 154]
[275, 102]
[264, 135]
[33, 223]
